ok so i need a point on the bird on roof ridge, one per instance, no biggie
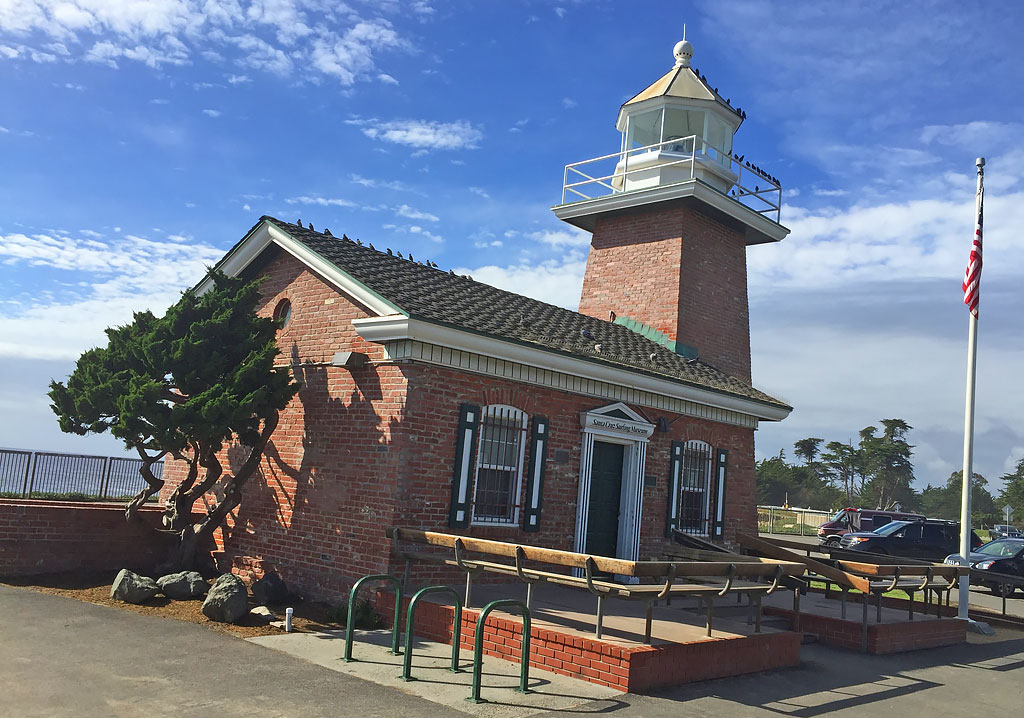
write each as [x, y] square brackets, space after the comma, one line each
[328, 232]
[311, 227]
[389, 252]
[372, 247]
[399, 254]
[298, 222]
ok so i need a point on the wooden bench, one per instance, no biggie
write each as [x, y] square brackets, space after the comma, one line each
[702, 580]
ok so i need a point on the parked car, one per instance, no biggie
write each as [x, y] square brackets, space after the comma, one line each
[929, 539]
[1003, 531]
[1005, 555]
[852, 520]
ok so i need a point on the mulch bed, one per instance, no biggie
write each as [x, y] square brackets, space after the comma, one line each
[94, 587]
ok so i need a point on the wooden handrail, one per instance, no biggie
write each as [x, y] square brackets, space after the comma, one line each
[603, 564]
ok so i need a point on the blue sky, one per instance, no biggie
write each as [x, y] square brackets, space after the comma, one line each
[139, 141]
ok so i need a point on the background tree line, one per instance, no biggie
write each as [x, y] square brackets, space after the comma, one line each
[877, 472]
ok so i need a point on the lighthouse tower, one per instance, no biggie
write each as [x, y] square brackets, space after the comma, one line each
[672, 213]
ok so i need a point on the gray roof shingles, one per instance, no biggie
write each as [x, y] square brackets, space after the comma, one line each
[435, 296]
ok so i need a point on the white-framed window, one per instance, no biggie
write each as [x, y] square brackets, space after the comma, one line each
[501, 449]
[694, 498]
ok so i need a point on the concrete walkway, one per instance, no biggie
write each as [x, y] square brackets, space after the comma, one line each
[61, 657]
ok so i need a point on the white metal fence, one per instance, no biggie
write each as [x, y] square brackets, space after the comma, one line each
[791, 521]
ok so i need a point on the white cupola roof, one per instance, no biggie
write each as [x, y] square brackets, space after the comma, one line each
[682, 85]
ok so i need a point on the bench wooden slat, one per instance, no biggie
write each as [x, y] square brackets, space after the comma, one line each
[872, 569]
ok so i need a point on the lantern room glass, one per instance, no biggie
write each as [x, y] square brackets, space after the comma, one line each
[681, 124]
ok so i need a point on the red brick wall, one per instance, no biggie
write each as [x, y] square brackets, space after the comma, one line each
[315, 510]
[432, 418]
[362, 449]
[633, 669]
[678, 270]
[51, 536]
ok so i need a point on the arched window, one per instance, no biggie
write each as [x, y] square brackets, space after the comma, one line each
[283, 313]
[694, 488]
[499, 465]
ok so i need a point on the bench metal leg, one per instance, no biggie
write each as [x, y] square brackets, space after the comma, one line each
[911, 594]
[710, 613]
[529, 595]
[600, 617]
[878, 606]
[864, 624]
[469, 588]
[650, 620]
[842, 603]
[796, 610]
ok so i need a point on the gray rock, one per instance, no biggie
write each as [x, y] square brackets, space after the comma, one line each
[183, 585]
[132, 588]
[227, 600]
[270, 590]
[262, 615]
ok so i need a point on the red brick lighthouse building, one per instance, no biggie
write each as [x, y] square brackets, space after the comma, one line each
[433, 401]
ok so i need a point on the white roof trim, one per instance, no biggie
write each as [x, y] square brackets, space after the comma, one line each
[265, 234]
[582, 213]
[619, 406]
[395, 328]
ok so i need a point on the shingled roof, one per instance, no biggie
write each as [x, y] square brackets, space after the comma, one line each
[436, 296]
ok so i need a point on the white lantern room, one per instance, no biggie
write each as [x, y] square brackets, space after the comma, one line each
[677, 129]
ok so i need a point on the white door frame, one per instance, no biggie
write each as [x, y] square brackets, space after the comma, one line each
[606, 424]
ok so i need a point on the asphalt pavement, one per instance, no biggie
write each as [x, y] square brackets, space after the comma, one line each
[61, 657]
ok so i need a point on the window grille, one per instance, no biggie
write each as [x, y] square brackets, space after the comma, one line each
[694, 507]
[499, 466]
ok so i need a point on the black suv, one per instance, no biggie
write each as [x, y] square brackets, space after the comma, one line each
[931, 539]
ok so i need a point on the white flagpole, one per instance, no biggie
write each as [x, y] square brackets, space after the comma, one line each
[968, 471]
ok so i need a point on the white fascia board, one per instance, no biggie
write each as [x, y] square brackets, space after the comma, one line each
[765, 229]
[264, 235]
[395, 328]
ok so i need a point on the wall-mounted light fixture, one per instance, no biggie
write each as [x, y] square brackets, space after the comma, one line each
[351, 360]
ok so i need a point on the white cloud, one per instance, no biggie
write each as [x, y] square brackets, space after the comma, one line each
[561, 12]
[124, 274]
[556, 281]
[274, 36]
[423, 134]
[479, 192]
[561, 238]
[569, 103]
[386, 79]
[417, 230]
[410, 213]
[321, 201]
[828, 192]
[380, 184]
[212, 113]
[238, 79]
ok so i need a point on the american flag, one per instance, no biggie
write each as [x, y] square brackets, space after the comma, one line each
[972, 277]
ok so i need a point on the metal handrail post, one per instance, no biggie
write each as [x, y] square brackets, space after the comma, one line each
[28, 465]
[32, 480]
[105, 478]
[478, 646]
[456, 632]
[350, 621]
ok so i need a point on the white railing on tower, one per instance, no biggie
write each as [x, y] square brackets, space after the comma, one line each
[753, 187]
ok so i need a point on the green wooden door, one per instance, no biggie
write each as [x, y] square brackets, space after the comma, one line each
[605, 488]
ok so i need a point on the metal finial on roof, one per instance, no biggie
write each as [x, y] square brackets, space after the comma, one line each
[683, 51]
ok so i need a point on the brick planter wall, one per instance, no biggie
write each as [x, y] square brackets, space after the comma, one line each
[634, 669]
[52, 536]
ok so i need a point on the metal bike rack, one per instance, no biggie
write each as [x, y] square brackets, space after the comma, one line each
[349, 624]
[456, 634]
[478, 646]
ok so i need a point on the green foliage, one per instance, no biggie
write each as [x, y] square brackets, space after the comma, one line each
[365, 617]
[1012, 494]
[202, 373]
[876, 473]
[185, 384]
[943, 502]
